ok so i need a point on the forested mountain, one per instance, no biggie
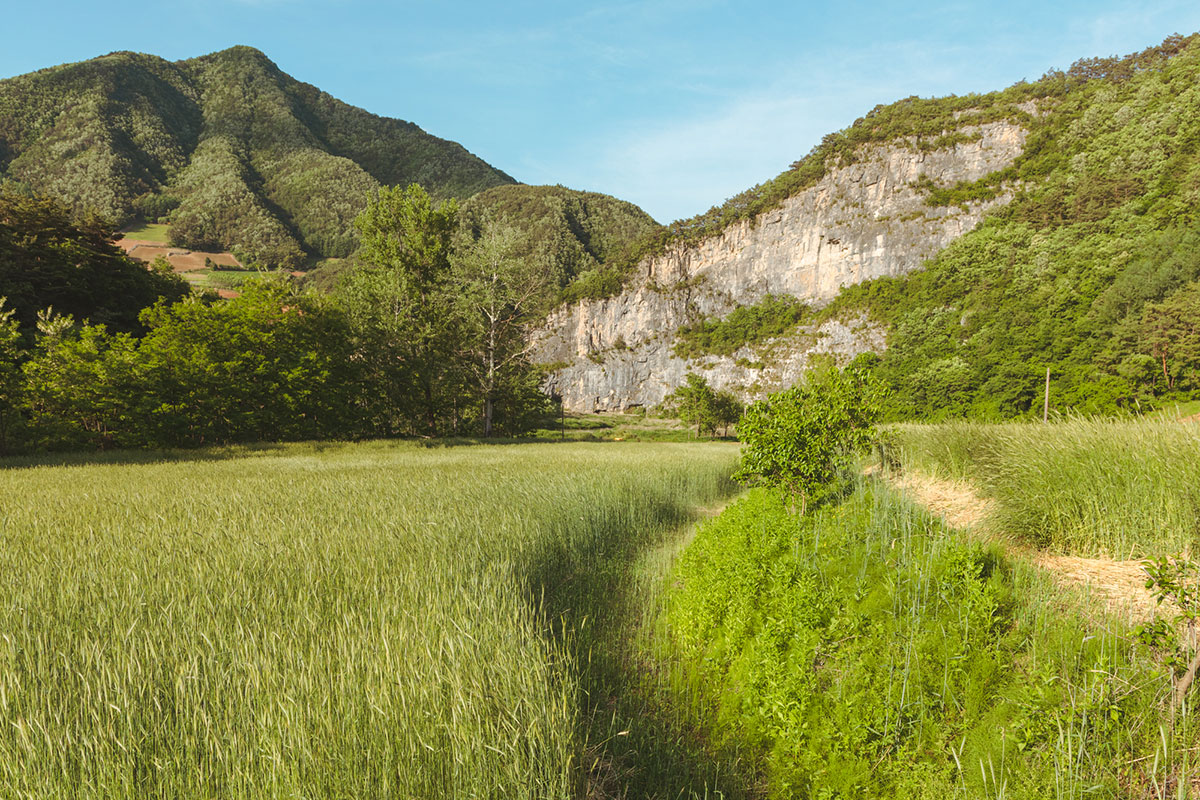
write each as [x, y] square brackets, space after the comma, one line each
[573, 237]
[238, 154]
[985, 238]
[1092, 270]
[573, 234]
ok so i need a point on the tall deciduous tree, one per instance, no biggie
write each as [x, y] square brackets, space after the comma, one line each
[697, 403]
[401, 303]
[500, 292]
[1170, 332]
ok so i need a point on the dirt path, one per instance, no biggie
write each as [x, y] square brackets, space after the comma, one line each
[1120, 584]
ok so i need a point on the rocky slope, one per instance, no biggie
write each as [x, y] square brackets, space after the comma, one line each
[859, 222]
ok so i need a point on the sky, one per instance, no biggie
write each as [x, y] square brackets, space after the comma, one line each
[671, 104]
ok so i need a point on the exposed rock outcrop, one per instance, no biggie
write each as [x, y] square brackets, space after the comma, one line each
[859, 222]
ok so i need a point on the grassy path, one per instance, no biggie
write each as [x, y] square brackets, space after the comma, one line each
[1121, 585]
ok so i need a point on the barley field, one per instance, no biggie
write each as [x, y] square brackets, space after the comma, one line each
[308, 621]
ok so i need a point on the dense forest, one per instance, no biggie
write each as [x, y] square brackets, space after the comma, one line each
[232, 151]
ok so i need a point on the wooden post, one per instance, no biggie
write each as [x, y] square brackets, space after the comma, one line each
[1046, 405]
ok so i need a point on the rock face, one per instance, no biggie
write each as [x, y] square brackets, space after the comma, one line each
[859, 222]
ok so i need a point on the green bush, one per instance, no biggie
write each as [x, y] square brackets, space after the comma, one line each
[800, 440]
[772, 316]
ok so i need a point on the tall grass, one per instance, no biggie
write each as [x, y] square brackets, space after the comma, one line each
[866, 651]
[353, 621]
[1122, 488]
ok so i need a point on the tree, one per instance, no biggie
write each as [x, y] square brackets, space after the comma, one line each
[401, 305]
[499, 294]
[697, 403]
[49, 258]
[11, 382]
[727, 410]
[798, 440]
[1170, 332]
[270, 364]
[80, 385]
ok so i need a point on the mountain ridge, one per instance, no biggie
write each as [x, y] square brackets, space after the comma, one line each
[238, 153]
[1080, 255]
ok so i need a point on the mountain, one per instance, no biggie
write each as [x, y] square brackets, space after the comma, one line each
[969, 242]
[578, 235]
[238, 154]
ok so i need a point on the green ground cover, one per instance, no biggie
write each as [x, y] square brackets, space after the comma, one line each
[149, 232]
[1122, 488]
[617, 427]
[864, 650]
[318, 621]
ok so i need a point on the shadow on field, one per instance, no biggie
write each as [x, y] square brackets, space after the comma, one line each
[134, 457]
[584, 585]
[232, 451]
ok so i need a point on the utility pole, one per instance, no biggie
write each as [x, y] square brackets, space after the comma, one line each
[1046, 404]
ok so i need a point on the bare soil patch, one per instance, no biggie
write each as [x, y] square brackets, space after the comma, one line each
[180, 258]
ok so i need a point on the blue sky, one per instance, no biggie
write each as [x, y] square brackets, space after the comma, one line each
[671, 104]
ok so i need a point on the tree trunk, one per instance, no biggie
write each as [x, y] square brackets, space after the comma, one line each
[430, 411]
[487, 416]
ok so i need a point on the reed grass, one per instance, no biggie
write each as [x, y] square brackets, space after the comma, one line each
[1117, 488]
[327, 621]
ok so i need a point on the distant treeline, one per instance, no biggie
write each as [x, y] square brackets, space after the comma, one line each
[424, 337]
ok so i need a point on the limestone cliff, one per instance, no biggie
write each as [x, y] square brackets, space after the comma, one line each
[861, 221]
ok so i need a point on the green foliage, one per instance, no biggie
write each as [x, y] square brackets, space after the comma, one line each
[772, 316]
[1075, 272]
[1124, 488]
[424, 336]
[865, 651]
[571, 236]
[696, 403]
[1170, 333]
[267, 365]
[801, 439]
[236, 153]
[401, 302]
[500, 292]
[11, 383]
[49, 258]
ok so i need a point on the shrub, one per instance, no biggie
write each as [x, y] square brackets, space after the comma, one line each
[799, 440]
